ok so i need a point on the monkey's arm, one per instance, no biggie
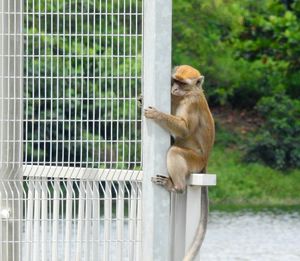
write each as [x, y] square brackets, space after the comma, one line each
[178, 126]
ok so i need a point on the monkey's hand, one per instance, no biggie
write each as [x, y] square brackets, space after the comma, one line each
[140, 100]
[152, 113]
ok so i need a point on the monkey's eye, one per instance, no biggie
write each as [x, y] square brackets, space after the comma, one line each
[179, 82]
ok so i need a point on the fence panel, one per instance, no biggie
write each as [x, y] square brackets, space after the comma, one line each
[70, 127]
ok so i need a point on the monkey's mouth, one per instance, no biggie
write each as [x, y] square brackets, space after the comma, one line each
[177, 92]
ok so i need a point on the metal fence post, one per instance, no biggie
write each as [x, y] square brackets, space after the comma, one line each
[156, 86]
[186, 212]
[11, 70]
[193, 212]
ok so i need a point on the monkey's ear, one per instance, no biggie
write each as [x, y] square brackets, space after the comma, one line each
[174, 71]
[200, 81]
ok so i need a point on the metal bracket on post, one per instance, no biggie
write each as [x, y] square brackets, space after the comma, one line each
[186, 211]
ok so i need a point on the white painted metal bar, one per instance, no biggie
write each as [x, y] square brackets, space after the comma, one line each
[132, 222]
[11, 90]
[107, 220]
[55, 220]
[120, 220]
[44, 220]
[69, 203]
[178, 222]
[82, 173]
[156, 92]
[202, 180]
[80, 223]
[186, 212]
[193, 212]
[29, 221]
[88, 223]
[36, 222]
[96, 222]
[138, 247]
[195, 179]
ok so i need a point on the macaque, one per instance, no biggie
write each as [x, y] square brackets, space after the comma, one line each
[190, 124]
[192, 127]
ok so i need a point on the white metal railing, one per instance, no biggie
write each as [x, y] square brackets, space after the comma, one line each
[83, 173]
[106, 175]
[70, 75]
[81, 220]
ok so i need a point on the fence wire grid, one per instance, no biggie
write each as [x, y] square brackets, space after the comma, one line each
[70, 129]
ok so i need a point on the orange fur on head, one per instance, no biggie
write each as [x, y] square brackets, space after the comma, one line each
[184, 72]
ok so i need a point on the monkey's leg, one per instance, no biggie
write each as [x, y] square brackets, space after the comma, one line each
[177, 168]
[181, 162]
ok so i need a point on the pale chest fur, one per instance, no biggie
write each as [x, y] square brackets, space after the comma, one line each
[179, 106]
[200, 122]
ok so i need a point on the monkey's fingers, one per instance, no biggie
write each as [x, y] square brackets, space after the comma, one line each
[151, 108]
[161, 176]
[140, 100]
[151, 113]
[160, 180]
[147, 114]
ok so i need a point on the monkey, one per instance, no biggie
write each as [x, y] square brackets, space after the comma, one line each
[192, 127]
[191, 124]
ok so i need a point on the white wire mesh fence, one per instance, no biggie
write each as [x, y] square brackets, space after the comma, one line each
[70, 129]
[82, 77]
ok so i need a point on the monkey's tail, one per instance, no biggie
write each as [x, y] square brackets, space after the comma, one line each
[201, 229]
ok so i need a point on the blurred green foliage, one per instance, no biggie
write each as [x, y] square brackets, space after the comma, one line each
[248, 51]
[250, 184]
[277, 143]
[83, 75]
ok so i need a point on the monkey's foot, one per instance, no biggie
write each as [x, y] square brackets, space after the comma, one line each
[160, 180]
[164, 181]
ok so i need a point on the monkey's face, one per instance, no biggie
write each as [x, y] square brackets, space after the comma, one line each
[185, 80]
[180, 88]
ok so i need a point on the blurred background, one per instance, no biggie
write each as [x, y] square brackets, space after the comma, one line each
[249, 53]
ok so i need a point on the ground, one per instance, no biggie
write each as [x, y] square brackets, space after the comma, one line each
[239, 121]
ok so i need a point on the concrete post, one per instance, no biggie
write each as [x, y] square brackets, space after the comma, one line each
[156, 141]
